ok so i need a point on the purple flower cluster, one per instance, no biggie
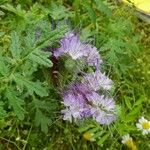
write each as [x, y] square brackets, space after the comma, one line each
[83, 99]
[72, 46]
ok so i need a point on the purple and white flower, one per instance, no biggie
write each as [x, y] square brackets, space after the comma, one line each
[70, 45]
[81, 99]
[80, 103]
[97, 80]
[102, 109]
[75, 103]
[92, 56]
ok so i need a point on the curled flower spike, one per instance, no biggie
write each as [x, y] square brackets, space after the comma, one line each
[92, 56]
[81, 102]
[102, 108]
[97, 80]
[75, 104]
[70, 45]
[128, 141]
[144, 125]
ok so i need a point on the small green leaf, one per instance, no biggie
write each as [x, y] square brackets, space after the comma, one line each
[16, 103]
[127, 102]
[2, 111]
[15, 45]
[3, 66]
[41, 57]
[31, 86]
[85, 128]
[103, 139]
[91, 12]
[103, 8]
[139, 101]
[42, 121]
[133, 114]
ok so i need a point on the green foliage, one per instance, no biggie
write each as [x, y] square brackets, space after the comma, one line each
[29, 100]
[15, 46]
[22, 61]
[42, 120]
[2, 111]
[32, 87]
[102, 7]
[15, 102]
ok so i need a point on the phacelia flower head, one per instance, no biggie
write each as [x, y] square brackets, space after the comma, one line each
[97, 80]
[102, 108]
[71, 45]
[92, 56]
[75, 103]
[81, 102]
[144, 125]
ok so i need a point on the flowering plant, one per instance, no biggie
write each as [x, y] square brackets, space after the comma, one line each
[84, 98]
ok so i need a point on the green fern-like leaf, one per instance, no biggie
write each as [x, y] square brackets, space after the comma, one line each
[18, 11]
[16, 103]
[2, 111]
[15, 45]
[42, 121]
[41, 57]
[4, 69]
[103, 8]
[59, 12]
[91, 12]
[31, 86]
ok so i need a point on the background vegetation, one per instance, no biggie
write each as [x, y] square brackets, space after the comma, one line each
[29, 101]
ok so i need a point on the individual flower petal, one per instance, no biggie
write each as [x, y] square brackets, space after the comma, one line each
[73, 112]
[125, 138]
[81, 88]
[102, 117]
[67, 114]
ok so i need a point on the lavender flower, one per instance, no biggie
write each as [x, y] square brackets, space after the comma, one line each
[92, 56]
[97, 80]
[71, 45]
[76, 106]
[70, 98]
[76, 113]
[81, 103]
[103, 117]
[105, 103]
[102, 108]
